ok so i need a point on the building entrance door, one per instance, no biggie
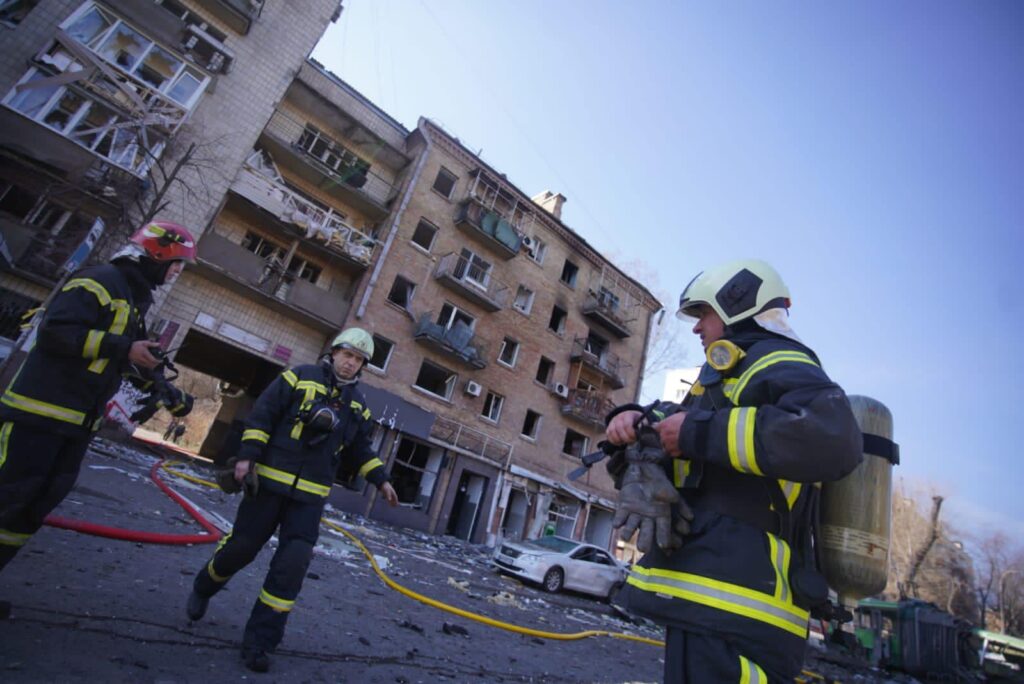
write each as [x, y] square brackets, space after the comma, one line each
[466, 506]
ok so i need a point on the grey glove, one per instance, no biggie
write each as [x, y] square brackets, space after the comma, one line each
[225, 478]
[649, 502]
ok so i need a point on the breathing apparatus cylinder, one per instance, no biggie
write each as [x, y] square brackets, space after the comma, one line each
[856, 511]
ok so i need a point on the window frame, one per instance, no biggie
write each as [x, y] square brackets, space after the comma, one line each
[433, 235]
[455, 180]
[515, 352]
[411, 292]
[529, 301]
[532, 436]
[574, 273]
[563, 320]
[493, 405]
[378, 340]
[450, 382]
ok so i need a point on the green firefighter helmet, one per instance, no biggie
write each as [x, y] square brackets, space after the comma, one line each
[355, 339]
[736, 291]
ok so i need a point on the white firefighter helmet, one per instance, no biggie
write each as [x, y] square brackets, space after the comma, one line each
[739, 290]
[355, 339]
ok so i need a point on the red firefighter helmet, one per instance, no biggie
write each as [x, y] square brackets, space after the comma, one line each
[166, 241]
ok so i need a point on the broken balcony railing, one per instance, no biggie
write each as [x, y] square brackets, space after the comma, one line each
[455, 434]
[473, 281]
[456, 340]
[606, 362]
[319, 224]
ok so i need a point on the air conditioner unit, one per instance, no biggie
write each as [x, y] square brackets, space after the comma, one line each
[561, 390]
[473, 389]
[529, 243]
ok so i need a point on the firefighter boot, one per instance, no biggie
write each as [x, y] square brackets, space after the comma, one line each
[256, 659]
[196, 606]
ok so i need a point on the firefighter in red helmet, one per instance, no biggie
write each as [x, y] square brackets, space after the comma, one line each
[91, 336]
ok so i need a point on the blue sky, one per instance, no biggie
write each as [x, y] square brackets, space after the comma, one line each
[873, 152]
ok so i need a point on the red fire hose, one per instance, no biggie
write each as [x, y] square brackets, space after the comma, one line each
[138, 535]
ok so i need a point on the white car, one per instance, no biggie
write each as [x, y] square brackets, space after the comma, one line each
[558, 563]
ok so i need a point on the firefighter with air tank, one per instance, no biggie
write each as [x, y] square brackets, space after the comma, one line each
[92, 335]
[725, 523]
[307, 427]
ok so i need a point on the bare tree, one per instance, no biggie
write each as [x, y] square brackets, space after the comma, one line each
[666, 348]
[910, 588]
[181, 174]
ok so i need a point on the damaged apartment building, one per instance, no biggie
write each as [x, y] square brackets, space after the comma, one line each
[502, 337]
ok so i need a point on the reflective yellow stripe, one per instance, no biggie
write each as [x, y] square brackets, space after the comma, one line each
[120, 307]
[92, 344]
[731, 598]
[779, 551]
[357, 407]
[289, 479]
[680, 470]
[254, 435]
[751, 672]
[370, 465]
[42, 408]
[311, 389]
[8, 538]
[279, 604]
[308, 385]
[740, 440]
[729, 387]
[220, 579]
[791, 490]
[5, 438]
[90, 285]
[764, 362]
[289, 377]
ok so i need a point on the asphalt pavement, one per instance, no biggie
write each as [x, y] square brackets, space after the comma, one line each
[90, 609]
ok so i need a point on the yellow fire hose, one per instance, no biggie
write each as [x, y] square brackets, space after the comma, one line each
[438, 604]
[559, 636]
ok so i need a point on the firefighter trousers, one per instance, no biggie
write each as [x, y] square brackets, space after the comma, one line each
[692, 658]
[298, 527]
[37, 470]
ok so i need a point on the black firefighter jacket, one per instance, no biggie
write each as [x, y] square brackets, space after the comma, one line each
[293, 459]
[765, 431]
[81, 351]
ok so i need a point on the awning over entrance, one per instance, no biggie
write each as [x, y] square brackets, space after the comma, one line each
[393, 412]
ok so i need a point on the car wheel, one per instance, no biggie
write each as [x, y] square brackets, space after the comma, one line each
[613, 590]
[553, 579]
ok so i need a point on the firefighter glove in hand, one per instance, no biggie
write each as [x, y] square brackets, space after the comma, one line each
[225, 477]
[648, 501]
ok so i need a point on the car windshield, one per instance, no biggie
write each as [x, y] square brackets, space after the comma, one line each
[554, 544]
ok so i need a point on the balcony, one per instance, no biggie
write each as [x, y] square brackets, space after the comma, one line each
[327, 164]
[588, 407]
[237, 14]
[318, 225]
[457, 341]
[241, 270]
[603, 361]
[604, 308]
[459, 274]
[462, 437]
[489, 227]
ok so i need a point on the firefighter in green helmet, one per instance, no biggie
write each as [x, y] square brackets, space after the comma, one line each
[308, 425]
[734, 581]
